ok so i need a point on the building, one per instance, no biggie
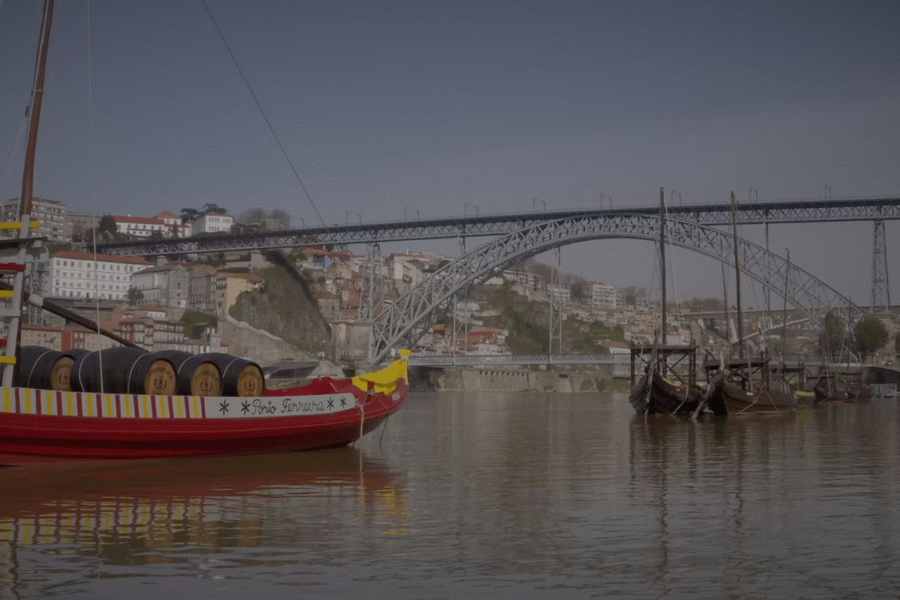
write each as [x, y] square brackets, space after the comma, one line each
[603, 296]
[527, 279]
[141, 227]
[50, 213]
[559, 294]
[174, 226]
[212, 223]
[229, 284]
[201, 289]
[72, 275]
[151, 333]
[166, 285]
[260, 219]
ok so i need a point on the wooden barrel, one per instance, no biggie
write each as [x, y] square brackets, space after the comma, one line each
[125, 371]
[43, 368]
[193, 377]
[240, 377]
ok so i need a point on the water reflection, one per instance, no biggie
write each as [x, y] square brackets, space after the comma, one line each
[486, 495]
[141, 512]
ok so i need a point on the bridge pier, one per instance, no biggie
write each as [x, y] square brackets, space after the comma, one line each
[881, 285]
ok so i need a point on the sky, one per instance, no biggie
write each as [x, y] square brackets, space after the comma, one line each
[430, 108]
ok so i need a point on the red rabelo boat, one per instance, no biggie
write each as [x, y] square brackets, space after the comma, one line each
[37, 423]
[325, 413]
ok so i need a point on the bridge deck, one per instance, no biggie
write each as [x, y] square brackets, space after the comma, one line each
[805, 211]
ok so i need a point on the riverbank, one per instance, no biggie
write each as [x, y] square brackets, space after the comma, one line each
[511, 379]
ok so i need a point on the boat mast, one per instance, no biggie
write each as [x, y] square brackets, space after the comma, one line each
[37, 100]
[737, 278]
[787, 271]
[662, 258]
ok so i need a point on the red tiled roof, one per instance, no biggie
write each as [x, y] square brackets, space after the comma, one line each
[132, 260]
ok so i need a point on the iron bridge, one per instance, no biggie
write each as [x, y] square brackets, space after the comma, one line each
[870, 209]
[404, 321]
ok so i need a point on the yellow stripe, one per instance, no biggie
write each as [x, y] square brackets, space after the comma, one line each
[27, 401]
[143, 513]
[48, 403]
[69, 407]
[9, 225]
[6, 294]
[127, 403]
[162, 407]
[179, 403]
[196, 407]
[46, 529]
[8, 405]
[89, 405]
[109, 405]
[146, 408]
[7, 360]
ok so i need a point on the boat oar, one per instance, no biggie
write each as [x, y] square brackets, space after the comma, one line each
[70, 315]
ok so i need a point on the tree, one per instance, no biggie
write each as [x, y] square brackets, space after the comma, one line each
[211, 208]
[252, 217]
[135, 296]
[832, 339]
[581, 291]
[189, 215]
[107, 225]
[871, 335]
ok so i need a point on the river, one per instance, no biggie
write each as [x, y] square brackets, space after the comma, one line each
[483, 496]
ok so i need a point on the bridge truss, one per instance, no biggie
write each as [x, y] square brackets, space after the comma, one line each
[759, 213]
[404, 321]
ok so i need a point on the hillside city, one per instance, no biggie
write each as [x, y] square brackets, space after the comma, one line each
[223, 302]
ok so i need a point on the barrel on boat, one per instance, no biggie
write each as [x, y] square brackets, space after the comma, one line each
[43, 368]
[240, 377]
[125, 371]
[193, 377]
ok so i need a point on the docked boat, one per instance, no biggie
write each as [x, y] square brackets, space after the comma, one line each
[128, 403]
[841, 392]
[654, 395]
[737, 400]
[327, 412]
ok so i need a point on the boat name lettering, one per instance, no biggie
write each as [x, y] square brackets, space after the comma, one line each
[262, 408]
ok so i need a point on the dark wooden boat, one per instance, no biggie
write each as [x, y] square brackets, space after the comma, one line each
[839, 392]
[737, 400]
[654, 395]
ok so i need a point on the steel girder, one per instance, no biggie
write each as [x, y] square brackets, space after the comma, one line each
[493, 225]
[404, 320]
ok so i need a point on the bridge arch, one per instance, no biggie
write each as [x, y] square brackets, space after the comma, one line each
[405, 319]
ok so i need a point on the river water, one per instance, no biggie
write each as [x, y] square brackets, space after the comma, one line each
[483, 496]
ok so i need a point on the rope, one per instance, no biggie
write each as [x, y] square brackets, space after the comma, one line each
[262, 112]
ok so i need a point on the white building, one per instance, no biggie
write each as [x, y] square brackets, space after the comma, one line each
[51, 214]
[72, 275]
[559, 294]
[603, 295]
[527, 279]
[141, 226]
[175, 228]
[211, 223]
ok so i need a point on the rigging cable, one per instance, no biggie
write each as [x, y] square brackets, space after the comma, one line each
[262, 112]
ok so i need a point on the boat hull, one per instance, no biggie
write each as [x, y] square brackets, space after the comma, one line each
[738, 401]
[663, 397]
[326, 413]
